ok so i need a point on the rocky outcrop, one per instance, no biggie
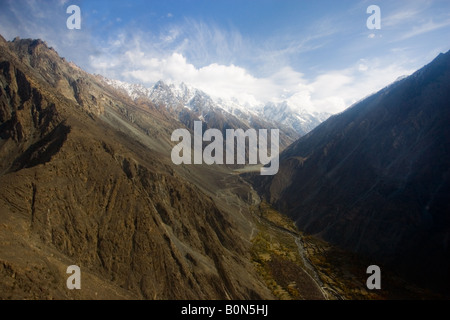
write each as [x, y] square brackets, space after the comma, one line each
[86, 179]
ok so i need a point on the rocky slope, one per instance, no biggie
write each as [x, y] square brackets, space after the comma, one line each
[192, 104]
[375, 179]
[86, 179]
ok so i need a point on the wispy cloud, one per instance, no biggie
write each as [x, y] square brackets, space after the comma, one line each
[401, 17]
[45, 20]
[330, 91]
[205, 43]
[325, 65]
[425, 28]
[414, 19]
[31, 18]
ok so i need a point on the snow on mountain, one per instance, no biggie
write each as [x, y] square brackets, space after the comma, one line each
[237, 109]
[301, 120]
[172, 95]
[135, 91]
[183, 95]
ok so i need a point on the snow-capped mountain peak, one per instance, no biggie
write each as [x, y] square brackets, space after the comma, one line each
[135, 91]
[172, 95]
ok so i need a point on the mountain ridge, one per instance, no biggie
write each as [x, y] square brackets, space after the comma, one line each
[373, 178]
[86, 179]
[183, 95]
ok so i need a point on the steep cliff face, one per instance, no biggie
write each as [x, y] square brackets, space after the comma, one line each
[375, 179]
[86, 179]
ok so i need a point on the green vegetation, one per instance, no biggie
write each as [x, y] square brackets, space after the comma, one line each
[342, 274]
[276, 257]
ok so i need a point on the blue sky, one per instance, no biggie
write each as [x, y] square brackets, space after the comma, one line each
[317, 55]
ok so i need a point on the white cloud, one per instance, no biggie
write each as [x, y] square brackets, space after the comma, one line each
[336, 90]
[215, 79]
[363, 66]
[170, 36]
[331, 91]
[213, 58]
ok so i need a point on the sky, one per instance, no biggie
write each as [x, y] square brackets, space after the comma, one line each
[317, 55]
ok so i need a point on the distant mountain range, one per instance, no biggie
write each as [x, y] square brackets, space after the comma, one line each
[292, 120]
[375, 179]
[86, 178]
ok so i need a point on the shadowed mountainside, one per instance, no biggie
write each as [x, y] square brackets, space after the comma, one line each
[375, 179]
